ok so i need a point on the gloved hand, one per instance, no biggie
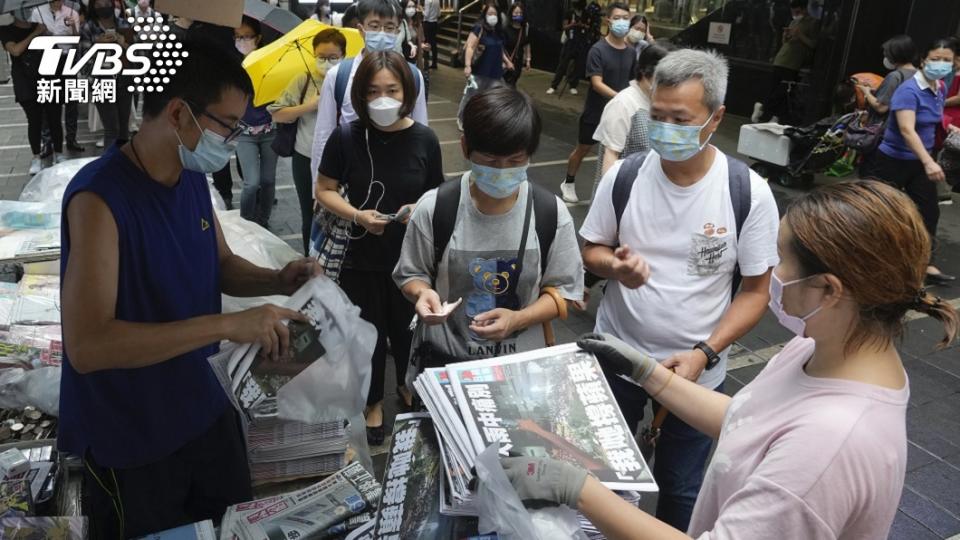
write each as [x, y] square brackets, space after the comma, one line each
[618, 357]
[544, 482]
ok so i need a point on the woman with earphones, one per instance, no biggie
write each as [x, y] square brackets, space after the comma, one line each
[386, 161]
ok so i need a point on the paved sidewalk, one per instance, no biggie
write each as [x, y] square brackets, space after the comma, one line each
[930, 507]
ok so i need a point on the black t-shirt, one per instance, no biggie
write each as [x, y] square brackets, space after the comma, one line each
[576, 32]
[24, 68]
[408, 163]
[510, 46]
[616, 68]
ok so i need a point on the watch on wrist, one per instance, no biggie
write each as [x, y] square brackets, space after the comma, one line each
[712, 357]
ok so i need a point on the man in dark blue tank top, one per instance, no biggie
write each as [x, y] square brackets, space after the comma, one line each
[143, 265]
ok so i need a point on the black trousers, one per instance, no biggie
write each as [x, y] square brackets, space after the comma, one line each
[909, 176]
[431, 29]
[777, 102]
[35, 115]
[195, 483]
[303, 181]
[116, 116]
[573, 51]
[383, 305]
[223, 182]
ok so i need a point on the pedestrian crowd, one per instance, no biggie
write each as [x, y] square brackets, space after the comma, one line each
[689, 240]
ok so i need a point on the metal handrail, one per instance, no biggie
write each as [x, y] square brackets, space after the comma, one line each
[460, 22]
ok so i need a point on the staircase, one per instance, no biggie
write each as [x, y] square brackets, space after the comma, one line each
[447, 35]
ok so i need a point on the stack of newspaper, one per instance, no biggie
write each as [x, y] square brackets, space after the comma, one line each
[553, 402]
[322, 510]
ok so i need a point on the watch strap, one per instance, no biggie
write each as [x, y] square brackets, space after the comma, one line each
[712, 357]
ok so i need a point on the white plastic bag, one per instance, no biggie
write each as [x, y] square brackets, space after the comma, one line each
[38, 388]
[501, 510]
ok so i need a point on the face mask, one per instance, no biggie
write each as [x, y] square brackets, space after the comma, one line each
[797, 325]
[104, 12]
[888, 64]
[144, 4]
[410, 12]
[324, 65]
[498, 183]
[677, 143]
[937, 70]
[636, 36]
[212, 152]
[797, 17]
[245, 46]
[620, 27]
[379, 41]
[492, 20]
[384, 111]
[518, 18]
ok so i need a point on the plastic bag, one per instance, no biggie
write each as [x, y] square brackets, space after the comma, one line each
[501, 510]
[39, 388]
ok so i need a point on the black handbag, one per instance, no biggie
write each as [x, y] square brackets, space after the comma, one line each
[863, 136]
[286, 132]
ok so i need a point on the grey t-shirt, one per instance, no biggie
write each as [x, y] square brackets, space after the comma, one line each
[884, 93]
[479, 266]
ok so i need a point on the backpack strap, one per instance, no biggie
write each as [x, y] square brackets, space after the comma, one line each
[623, 184]
[416, 76]
[545, 208]
[739, 176]
[444, 218]
[340, 84]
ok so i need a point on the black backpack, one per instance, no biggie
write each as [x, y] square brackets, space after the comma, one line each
[448, 202]
[739, 176]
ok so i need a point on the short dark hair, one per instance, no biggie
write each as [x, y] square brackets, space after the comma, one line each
[253, 24]
[207, 71]
[331, 35]
[900, 49]
[942, 43]
[501, 121]
[373, 63]
[382, 8]
[350, 16]
[617, 5]
[798, 4]
[639, 18]
[650, 57]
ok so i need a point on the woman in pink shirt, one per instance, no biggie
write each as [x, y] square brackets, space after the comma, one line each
[815, 447]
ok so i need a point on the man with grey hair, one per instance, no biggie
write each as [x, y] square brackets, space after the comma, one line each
[671, 230]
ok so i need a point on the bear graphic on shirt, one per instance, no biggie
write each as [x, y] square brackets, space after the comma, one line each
[494, 285]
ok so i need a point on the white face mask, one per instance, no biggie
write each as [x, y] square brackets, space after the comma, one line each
[888, 64]
[324, 65]
[492, 20]
[410, 11]
[245, 46]
[797, 325]
[384, 111]
[636, 36]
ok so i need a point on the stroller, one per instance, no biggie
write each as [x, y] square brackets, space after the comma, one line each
[808, 150]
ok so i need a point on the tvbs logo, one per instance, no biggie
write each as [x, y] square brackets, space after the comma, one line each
[150, 61]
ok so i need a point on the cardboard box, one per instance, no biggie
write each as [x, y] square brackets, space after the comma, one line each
[227, 13]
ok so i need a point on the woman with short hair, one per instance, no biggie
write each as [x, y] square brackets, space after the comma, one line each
[387, 162]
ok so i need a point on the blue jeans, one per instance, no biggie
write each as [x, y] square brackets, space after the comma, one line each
[259, 164]
[680, 459]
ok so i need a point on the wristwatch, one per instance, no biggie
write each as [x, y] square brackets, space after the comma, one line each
[712, 357]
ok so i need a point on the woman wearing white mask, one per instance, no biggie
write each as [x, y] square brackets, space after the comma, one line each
[486, 40]
[476, 239]
[387, 162]
[298, 103]
[905, 157]
[255, 154]
[639, 35]
[815, 446]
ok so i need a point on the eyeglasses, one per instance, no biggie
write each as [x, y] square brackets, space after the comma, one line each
[232, 131]
[332, 59]
[389, 28]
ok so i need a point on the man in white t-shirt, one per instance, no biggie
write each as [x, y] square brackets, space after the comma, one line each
[671, 260]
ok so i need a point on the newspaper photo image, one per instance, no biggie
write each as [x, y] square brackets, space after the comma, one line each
[552, 403]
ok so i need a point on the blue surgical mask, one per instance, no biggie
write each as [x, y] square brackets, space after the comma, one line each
[379, 41]
[675, 142]
[937, 70]
[498, 183]
[212, 152]
[620, 27]
[797, 325]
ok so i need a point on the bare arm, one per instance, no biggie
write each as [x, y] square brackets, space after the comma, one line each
[239, 277]
[471, 46]
[609, 158]
[93, 337]
[873, 102]
[290, 114]
[953, 101]
[598, 259]
[596, 81]
[619, 520]
[414, 288]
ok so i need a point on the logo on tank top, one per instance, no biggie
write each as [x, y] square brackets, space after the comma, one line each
[204, 224]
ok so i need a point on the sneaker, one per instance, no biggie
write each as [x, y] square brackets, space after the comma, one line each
[74, 146]
[757, 112]
[59, 158]
[573, 92]
[551, 91]
[459, 124]
[568, 192]
[36, 165]
[99, 143]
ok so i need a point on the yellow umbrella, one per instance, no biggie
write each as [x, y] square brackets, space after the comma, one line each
[273, 66]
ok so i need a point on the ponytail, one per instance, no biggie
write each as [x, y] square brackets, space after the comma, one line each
[936, 308]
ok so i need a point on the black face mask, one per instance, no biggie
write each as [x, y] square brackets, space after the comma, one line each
[104, 12]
